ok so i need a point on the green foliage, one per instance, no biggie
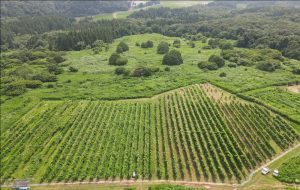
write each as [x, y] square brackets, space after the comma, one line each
[73, 69]
[53, 68]
[167, 69]
[270, 65]
[119, 70]
[289, 171]
[232, 65]
[226, 46]
[163, 48]
[141, 71]
[23, 71]
[50, 86]
[172, 58]
[59, 59]
[122, 61]
[154, 68]
[150, 44]
[223, 74]
[199, 51]
[137, 44]
[44, 77]
[172, 187]
[207, 65]
[15, 88]
[144, 45]
[36, 55]
[124, 46]
[113, 58]
[217, 59]
[119, 49]
[296, 70]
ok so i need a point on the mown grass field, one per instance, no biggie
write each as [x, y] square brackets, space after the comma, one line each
[196, 133]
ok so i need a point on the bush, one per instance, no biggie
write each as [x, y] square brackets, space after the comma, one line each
[217, 59]
[38, 62]
[199, 51]
[231, 65]
[69, 81]
[32, 83]
[207, 65]
[141, 71]
[73, 69]
[192, 44]
[137, 44]
[50, 86]
[36, 55]
[244, 62]
[204, 40]
[150, 44]
[119, 49]
[226, 46]
[144, 45]
[296, 70]
[126, 72]
[163, 48]
[176, 42]
[113, 58]
[53, 68]
[223, 74]
[59, 59]
[154, 68]
[177, 45]
[44, 77]
[124, 46]
[172, 58]
[119, 70]
[122, 61]
[206, 47]
[15, 88]
[167, 69]
[270, 65]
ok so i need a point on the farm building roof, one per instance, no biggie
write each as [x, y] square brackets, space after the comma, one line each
[21, 183]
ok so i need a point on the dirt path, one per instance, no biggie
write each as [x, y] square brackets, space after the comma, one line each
[161, 181]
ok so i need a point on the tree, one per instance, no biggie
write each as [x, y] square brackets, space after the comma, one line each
[150, 44]
[192, 44]
[163, 48]
[124, 46]
[223, 74]
[59, 59]
[217, 59]
[53, 68]
[122, 61]
[176, 43]
[119, 70]
[141, 71]
[156, 29]
[172, 58]
[119, 49]
[73, 69]
[144, 45]
[137, 44]
[113, 58]
[225, 46]
[207, 65]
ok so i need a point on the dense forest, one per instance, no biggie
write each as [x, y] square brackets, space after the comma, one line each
[71, 8]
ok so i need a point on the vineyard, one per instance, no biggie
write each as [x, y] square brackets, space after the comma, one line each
[194, 133]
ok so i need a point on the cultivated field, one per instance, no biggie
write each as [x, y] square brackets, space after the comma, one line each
[195, 133]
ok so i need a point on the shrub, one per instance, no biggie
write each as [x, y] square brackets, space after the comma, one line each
[137, 44]
[126, 72]
[59, 59]
[69, 81]
[144, 45]
[270, 65]
[15, 88]
[223, 74]
[38, 62]
[73, 69]
[167, 69]
[32, 83]
[296, 70]
[154, 68]
[119, 70]
[122, 61]
[207, 65]
[53, 68]
[50, 86]
[199, 51]
[231, 65]
[113, 58]
[204, 40]
[124, 46]
[141, 71]
[163, 48]
[119, 49]
[217, 59]
[177, 45]
[150, 44]
[36, 55]
[244, 62]
[172, 58]
[176, 42]
[226, 46]
[206, 47]
[192, 44]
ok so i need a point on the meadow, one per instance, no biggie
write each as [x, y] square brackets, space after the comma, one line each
[195, 133]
